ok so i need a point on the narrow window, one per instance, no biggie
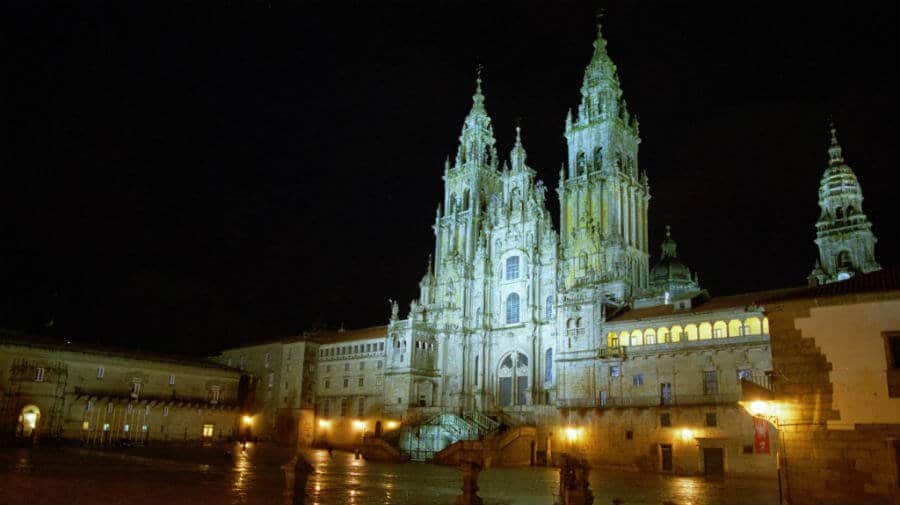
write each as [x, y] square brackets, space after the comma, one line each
[615, 371]
[100, 372]
[711, 420]
[327, 384]
[207, 431]
[477, 370]
[710, 383]
[172, 379]
[512, 268]
[361, 382]
[637, 379]
[665, 419]
[267, 359]
[166, 411]
[665, 393]
[512, 308]
[548, 372]
[548, 309]
[39, 374]
[346, 382]
[361, 407]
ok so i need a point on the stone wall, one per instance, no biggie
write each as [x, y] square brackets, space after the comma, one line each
[858, 462]
[103, 397]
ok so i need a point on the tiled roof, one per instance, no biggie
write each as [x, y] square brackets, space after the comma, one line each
[886, 279]
[331, 336]
[15, 338]
[698, 304]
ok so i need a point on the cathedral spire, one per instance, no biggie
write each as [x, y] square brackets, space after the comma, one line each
[668, 245]
[843, 233]
[476, 142]
[835, 153]
[517, 156]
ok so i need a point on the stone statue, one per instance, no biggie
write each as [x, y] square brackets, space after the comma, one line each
[395, 309]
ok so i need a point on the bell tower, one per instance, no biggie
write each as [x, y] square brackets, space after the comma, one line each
[604, 196]
[843, 233]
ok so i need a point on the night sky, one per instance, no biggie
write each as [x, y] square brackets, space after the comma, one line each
[186, 178]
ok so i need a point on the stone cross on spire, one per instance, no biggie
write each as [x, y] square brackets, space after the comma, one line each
[835, 153]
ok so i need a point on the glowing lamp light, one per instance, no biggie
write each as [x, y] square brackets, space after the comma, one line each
[359, 425]
[391, 425]
[248, 420]
[30, 419]
[760, 408]
[687, 434]
[324, 424]
[571, 434]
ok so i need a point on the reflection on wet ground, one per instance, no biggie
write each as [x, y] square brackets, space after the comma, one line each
[265, 475]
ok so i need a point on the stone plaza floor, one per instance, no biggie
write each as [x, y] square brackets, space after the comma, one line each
[264, 475]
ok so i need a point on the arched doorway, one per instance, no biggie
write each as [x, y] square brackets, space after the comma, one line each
[513, 375]
[29, 420]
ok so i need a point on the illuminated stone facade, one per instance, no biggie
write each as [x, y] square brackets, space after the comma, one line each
[103, 397]
[843, 232]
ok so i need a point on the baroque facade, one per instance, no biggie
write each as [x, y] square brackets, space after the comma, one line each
[567, 339]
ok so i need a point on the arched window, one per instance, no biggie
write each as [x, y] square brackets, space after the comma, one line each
[513, 374]
[512, 308]
[637, 338]
[662, 335]
[451, 205]
[466, 200]
[548, 308]
[720, 330]
[839, 213]
[619, 161]
[649, 336]
[548, 368]
[735, 329]
[676, 333]
[612, 340]
[705, 331]
[690, 331]
[512, 268]
[752, 326]
[598, 158]
[579, 164]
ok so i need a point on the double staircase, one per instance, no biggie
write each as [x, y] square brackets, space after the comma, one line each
[421, 440]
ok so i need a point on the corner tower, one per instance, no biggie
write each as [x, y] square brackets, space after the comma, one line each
[843, 233]
[603, 195]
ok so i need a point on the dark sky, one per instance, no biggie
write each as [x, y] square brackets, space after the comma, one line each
[185, 178]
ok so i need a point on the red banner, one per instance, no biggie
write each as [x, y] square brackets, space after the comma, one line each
[760, 436]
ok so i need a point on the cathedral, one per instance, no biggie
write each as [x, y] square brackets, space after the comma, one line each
[567, 339]
[506, 295]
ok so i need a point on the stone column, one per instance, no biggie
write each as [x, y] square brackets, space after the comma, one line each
[470, 470]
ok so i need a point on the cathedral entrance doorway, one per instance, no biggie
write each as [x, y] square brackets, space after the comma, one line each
[513, 375]
[28, 421]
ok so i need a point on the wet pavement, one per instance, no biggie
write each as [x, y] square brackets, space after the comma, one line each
[264, 475]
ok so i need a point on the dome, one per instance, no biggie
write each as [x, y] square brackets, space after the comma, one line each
[671, 275]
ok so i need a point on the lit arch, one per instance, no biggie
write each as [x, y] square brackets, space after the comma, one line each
[623, 338]
[752, 326]
[705, 331]
[765, 326]
[690, 331]
[735, 329]
[662, 335]
[649, 336]
[720, 329]
[677, 332]
[612, 340]
[637, 338]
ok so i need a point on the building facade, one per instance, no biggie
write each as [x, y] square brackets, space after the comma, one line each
[106, 397]
[570, 333]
